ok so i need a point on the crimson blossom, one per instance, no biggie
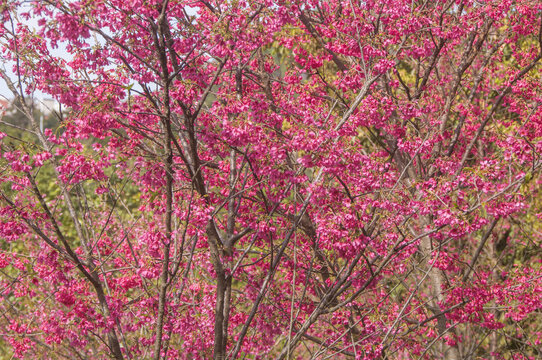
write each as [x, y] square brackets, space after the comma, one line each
[272, 179]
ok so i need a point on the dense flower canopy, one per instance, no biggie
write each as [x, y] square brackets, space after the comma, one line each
[272, 179]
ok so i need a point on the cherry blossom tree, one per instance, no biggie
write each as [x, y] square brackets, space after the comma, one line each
[272, 180]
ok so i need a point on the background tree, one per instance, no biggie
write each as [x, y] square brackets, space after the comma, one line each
[274, 179]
